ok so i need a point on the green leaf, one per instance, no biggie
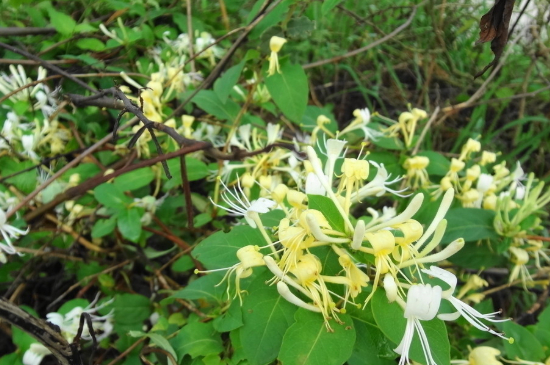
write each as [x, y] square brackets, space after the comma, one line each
[472, 224]
[266, 317]
[85, 28]
[289, 90]
[129, 224]
[135, 179]
[542, 329]
[183, 264]
[111, 196]
[328, 208]
[62, 22]
[198, 339]
[308, 342]
[371, 346]
[157, 340]
[525, 346]
[130, 310]
[328, 5]
[206, 287]
[103, 227]
[367, 345]
[439, 165]
[484, 256]
[389, 318]
[26, 181]
[224, 84]
[300, 28]
[220, 249]
[91, 44]
[231, 319]
[209, 101]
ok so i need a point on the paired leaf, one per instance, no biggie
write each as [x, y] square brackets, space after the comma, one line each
[308, 342]
[266, 317]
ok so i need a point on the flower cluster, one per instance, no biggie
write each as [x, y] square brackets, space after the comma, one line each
[384, 250]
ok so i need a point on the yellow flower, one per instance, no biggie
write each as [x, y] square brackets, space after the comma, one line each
[275, 44]
[484, 355]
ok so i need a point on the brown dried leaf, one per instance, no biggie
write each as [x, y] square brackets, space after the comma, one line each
[493, 27]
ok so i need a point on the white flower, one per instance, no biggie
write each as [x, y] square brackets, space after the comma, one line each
[70, 322]
[379, 185]
[362, 119]
[35, 354]
[274, 133]
[243, 207]
[314, 185]
[334, 148]
[9, 232]
[463, 309]
[423, 302]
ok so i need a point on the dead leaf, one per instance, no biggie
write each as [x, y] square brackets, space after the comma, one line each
[493, 27]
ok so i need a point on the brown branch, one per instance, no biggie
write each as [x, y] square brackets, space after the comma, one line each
[18, 31]
[46, 333]
[186, 192]
[90, 184]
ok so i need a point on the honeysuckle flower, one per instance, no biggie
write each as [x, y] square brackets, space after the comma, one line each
[110, 34]
[470, 147]
[362, 119]
[321, 121]
[379, 185]
[470, 198]
[275, 45]
[519, 258]
[285, 292]
[239, 205]
[417, 175]
[470, 314]
[356, 278]
[204, 40]
[249, 257]
[484, 355]
[474, 282]
[18, 79]
[9, 232]
[487, 158]
[7, 201]
[314, 186]
[334, 148]
[35, 354]
[423, 302]
[29, 145]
